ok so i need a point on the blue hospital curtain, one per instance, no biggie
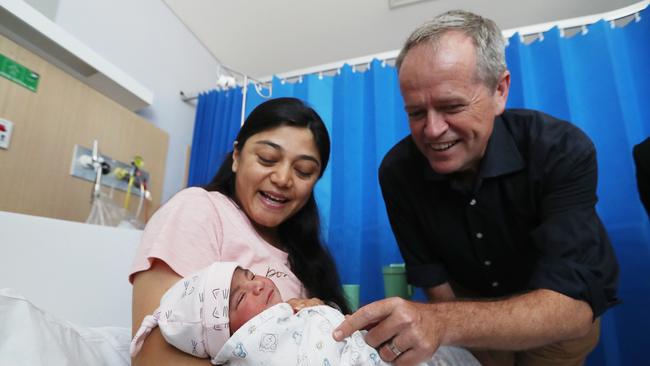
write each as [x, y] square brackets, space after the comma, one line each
[597, 80]
[218, 115]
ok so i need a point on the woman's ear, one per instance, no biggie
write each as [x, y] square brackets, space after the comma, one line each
[235, 157]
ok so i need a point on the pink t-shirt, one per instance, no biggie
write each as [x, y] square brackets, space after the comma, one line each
[196, 228]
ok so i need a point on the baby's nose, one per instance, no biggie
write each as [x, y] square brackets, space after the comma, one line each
[257, 285]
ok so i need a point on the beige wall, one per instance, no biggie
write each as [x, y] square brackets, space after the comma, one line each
[35, 171]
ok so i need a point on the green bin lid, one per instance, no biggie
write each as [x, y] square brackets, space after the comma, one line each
[395, 268]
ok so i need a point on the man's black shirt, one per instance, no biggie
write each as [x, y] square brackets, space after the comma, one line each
[529, 221]
[641, 154]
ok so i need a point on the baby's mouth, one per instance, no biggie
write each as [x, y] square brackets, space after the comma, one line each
[268, 297]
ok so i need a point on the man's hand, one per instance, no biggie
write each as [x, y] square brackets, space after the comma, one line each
[403, 332]
[299, 304]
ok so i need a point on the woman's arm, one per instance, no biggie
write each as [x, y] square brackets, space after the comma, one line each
[148, 287]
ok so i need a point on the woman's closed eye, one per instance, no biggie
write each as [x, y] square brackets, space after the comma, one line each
[305, 174]
[266, 161]
[305, 169]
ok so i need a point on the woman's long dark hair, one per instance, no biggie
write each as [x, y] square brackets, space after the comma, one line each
[299, 234]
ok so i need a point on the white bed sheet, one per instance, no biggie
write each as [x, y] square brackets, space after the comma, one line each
[32, 337]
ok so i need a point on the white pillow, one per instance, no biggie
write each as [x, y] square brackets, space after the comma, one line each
[31, 336]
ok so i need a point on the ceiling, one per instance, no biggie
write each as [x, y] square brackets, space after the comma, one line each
[266, 37]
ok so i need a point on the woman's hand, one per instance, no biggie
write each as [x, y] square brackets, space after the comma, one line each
[403, 332]
[299, 304]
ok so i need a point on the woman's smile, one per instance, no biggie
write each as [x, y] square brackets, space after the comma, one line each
[272, 199]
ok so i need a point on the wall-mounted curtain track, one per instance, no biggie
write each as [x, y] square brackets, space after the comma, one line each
[578, 23]
[527, 34]
[225, 83]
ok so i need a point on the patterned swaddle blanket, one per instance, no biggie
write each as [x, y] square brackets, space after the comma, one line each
[277, 337]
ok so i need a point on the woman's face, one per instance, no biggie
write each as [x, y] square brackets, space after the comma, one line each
[275, 173]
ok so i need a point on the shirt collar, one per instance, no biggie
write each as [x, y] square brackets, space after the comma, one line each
[501, 155]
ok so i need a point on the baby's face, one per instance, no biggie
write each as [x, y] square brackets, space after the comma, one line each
[249, 296]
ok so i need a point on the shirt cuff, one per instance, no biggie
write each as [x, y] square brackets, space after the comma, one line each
[573, 280]
[425, 275]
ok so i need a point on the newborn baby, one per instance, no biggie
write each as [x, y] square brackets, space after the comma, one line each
[200, 313]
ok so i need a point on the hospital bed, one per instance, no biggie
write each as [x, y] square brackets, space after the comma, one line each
[64, 293]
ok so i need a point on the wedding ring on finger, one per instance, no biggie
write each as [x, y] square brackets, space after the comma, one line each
[393, 348]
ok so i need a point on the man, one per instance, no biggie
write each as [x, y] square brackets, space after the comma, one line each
[641, 154]
[495, 207]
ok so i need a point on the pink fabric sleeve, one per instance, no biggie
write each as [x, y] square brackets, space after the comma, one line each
[185, 233]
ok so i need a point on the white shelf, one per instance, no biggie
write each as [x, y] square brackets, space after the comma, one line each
[34, 31]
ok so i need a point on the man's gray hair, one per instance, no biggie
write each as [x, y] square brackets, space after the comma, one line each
[487, 37]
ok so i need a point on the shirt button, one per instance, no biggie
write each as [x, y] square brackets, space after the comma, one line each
[487, 263]
[479, 235]
[495, 284]
[472, 202]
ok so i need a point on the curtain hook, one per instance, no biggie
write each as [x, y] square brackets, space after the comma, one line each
[541, 36]
[585, 30]
[369, 63]
[354, 68]
[283, 81]
[300, 79]
[637, 17]
[562, 32]
[521, 38]
[338, 71]
[383, 63]
[320, 75]
[612, 24]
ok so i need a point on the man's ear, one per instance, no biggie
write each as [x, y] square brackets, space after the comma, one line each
[501, 92]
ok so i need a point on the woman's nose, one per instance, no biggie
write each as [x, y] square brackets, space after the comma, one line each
[282, 176]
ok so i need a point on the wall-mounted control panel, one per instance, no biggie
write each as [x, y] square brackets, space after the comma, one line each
[116, 173]
[6, 128]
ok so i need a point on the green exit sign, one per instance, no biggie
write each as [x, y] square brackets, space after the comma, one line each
[18, 73]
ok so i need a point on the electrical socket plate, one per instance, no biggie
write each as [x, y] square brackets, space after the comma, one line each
[108, 180]
[5, 133]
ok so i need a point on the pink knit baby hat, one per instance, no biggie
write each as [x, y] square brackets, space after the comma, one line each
[193, 314]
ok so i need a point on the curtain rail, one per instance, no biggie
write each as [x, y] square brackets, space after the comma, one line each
[523, 31]
[392, 55]
[189, 97]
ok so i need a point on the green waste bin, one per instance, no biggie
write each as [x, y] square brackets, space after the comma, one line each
[395, 281]
[351, 292]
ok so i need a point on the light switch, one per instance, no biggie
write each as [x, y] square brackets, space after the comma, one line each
[5, 133]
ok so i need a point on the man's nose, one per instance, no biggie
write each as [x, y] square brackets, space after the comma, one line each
[436, 125]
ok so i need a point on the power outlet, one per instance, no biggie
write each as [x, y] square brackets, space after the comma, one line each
[5, 133]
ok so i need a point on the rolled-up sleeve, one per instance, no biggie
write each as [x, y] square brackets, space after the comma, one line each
[575, 254]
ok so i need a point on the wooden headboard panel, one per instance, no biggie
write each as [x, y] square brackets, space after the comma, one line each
[34, 171]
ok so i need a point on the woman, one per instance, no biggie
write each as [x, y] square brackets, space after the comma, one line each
[259, 210]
